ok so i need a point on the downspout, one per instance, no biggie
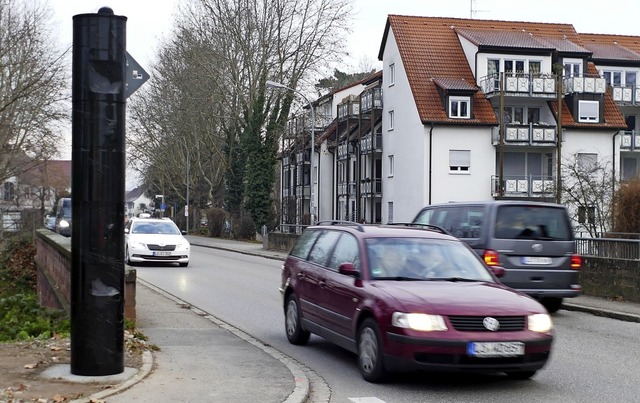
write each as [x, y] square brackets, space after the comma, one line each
[613, 180]
[430, 160]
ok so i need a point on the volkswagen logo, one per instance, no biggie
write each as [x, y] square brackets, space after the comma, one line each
[537, 247]
[491, 323]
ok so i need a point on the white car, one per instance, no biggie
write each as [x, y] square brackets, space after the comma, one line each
[157, 240]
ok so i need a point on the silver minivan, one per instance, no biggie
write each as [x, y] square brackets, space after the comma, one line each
[533, 241]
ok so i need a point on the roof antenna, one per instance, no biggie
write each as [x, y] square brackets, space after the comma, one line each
[472, 11]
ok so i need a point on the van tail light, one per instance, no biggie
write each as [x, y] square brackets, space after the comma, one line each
[576, 262]
[491, 257]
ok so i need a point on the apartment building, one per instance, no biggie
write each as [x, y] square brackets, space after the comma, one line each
[470, 109]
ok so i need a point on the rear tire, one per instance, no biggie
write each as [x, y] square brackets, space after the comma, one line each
[127, 259]
[552, 304]
[370, 355]
[292, 323]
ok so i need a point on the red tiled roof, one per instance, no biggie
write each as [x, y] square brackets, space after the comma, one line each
[630, 42]
[459, 84]
[430, 51]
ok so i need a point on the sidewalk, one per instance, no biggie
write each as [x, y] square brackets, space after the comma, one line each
[204, 359]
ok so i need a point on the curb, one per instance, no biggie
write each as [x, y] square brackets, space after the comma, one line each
[627, 317]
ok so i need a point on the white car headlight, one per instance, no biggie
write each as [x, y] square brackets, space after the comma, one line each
[137, 245]
[419, 321]
[540, 322]
[64, 223]
[182, 246]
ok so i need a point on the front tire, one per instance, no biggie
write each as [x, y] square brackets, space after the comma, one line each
[127, 259]
[370, 355]
[552, 304]
[292, 324]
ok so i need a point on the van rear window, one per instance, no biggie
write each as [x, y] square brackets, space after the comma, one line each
[532, 222]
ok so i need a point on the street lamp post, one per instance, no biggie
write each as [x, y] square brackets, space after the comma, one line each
[273, 84]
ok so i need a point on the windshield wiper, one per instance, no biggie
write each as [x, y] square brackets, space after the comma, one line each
[456, 279]
[400, 278]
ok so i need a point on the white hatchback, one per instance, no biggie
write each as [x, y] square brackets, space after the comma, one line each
[156, 240]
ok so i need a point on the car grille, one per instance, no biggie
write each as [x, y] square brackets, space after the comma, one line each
[474, 323]
[161, 247]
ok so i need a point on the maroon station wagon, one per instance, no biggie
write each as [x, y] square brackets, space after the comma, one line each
[407, 298]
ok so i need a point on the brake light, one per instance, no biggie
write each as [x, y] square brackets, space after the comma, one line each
[491, 257]
[576, 262]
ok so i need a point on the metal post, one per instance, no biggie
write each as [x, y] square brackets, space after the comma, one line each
[186, 208]
[97, 189]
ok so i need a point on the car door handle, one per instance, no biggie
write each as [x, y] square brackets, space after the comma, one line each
[322, 284]
[300, 276]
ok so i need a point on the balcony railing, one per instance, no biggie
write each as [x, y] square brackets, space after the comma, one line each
[371, 99]
[348, 109]
[520, 84]
[586, 84]
[626, 94]
[371, 187]
[344, 150]
[531, 134]
[630, 140]
[369, 144]
[523, 186]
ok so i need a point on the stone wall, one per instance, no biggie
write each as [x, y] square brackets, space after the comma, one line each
[281, 242]
[53, 259]
[611, 278]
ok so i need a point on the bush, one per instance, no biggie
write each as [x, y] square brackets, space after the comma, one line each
[18, 272]
[246, 228]
[216, 218]
[22, 318]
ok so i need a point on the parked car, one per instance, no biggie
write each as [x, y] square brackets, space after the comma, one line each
[63, 216]
[533, 241]
[157, 240]
[405, 298]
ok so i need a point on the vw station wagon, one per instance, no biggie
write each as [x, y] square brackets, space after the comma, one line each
[406, 298]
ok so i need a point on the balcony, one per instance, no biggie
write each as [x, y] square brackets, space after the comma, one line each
[520, 84]
[524, 186]
[586, 84]
[626, 95]
[344, 149]
[303, 157]
[371, 187]
[371, 99]
[369, 144]
[528, 134]
[630, 140]
[348, 109]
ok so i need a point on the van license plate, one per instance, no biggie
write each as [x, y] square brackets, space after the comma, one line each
[161, 253]
[536, 260]
[505, 349]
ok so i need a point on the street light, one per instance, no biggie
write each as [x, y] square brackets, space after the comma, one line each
[273, 84]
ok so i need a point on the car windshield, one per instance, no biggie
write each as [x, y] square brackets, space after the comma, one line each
[159, 227]
[424, 259]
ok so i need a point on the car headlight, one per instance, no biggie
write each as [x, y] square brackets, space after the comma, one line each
[137, 245]
[182, 246]
[540, 322]
[64, 223]
[419, 321]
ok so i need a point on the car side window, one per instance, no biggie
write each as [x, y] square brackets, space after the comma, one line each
[346, 251]
[323, 247]
[305, 242]
[466, 222]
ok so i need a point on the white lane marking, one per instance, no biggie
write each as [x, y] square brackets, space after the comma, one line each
[366, 400]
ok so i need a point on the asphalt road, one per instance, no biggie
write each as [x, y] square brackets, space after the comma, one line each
[595, 359]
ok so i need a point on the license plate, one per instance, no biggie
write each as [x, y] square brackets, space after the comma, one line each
[495, 349]
[161, 253]
[536, 260]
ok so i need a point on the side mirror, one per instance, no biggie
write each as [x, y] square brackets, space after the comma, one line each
[348, 270]
[184, 232]
[498, 271]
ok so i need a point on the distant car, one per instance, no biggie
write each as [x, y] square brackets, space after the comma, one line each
[157, 240]
[50, 223]
[63, 216]
[405, 298]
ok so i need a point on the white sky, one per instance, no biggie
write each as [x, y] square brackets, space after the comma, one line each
[150, 20]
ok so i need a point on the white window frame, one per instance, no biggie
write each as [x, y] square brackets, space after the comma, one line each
[392, 74]
[459, 101]
[459, 161]
[391, 119]
[587, 161]
[391, 166]
[588, 111]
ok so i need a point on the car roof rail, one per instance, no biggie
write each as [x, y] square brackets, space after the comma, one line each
[358, 226]
[429, 227]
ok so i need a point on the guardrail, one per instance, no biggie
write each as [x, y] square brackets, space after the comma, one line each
[612, 248]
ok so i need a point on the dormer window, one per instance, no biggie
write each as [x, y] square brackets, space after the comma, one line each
[588, 111]
[459, 107]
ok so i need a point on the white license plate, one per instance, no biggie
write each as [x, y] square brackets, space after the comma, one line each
[495, 349]
[536, 260]
[161, 253]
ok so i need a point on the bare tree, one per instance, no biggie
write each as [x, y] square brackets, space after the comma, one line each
[33, 79]
[587, 191]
